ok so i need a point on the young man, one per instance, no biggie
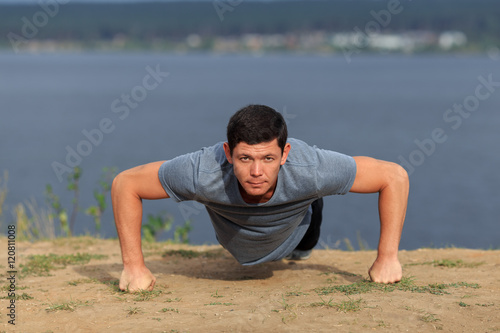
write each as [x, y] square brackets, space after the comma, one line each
[263, 194]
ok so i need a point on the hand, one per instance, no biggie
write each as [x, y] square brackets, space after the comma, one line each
[386, 271]
[135, 280]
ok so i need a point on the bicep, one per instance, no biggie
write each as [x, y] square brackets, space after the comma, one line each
[143, 181]
[372, 175]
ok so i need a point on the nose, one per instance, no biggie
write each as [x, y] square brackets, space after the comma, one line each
[256, 169]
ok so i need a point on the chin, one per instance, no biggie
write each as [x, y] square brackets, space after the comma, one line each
[256, 192]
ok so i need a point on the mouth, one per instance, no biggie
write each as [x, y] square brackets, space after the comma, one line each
[256, 184]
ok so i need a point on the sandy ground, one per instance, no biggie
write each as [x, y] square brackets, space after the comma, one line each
[203, 289]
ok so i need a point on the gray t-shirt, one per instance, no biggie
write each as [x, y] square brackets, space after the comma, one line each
[257, 233]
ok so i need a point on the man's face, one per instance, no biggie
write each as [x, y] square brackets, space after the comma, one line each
[257, 167]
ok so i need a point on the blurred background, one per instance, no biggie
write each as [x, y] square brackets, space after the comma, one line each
[91, 88]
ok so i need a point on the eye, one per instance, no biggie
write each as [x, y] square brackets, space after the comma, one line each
[244, 158]
[269, 159]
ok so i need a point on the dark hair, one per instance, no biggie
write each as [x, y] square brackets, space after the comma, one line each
[255, 124]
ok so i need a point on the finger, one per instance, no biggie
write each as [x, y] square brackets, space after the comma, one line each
[152, 285]
[123, 286]
[371, 276]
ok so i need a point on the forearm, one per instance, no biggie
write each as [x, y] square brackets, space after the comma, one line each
[127, 192]
[127, 208]
[393, 200]
[391, 182]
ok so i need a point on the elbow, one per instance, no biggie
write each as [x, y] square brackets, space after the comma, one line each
[117, 181]
[395, 177]
[403, 175]
[399, 177]
[118, 185]
[115, 185]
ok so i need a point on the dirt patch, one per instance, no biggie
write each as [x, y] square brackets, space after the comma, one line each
[70, 285]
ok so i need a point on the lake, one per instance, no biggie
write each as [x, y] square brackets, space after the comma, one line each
[437, 115]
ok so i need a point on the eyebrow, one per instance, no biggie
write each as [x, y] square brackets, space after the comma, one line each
[249, 155]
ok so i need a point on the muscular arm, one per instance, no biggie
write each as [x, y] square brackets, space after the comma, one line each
[127, 192]
[390, 180]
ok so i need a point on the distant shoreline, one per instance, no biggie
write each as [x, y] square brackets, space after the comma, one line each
[253, 26]
[49, 47]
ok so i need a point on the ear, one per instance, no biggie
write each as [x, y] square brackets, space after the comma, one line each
[227, 151]
[286, 150]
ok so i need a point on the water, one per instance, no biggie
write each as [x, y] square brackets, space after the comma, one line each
[376, 105]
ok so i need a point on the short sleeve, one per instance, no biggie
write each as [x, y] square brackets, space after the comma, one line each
[318, 172]
[335, 172]
[179, 176]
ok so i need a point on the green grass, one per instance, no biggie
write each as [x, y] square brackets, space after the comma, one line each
[285, 304]
[67, 306]
[219, 303]
[485, 305]
[23, 296]
[76, 242]
[406, 284]
[449, 263]
[288, 311]
[80, 281]
[6, 287]
[465, 284]
[359, 287]
[429, 318]
[170, 300]
[295, 293]
[114, 285]
[133, 310]
[343, 306]
[170, 310]
[145, 295]
[42, 264]
[216, 294]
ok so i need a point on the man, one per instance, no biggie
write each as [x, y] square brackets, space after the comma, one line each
[263, 194]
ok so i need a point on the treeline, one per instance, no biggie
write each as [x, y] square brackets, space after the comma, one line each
[71, 21]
